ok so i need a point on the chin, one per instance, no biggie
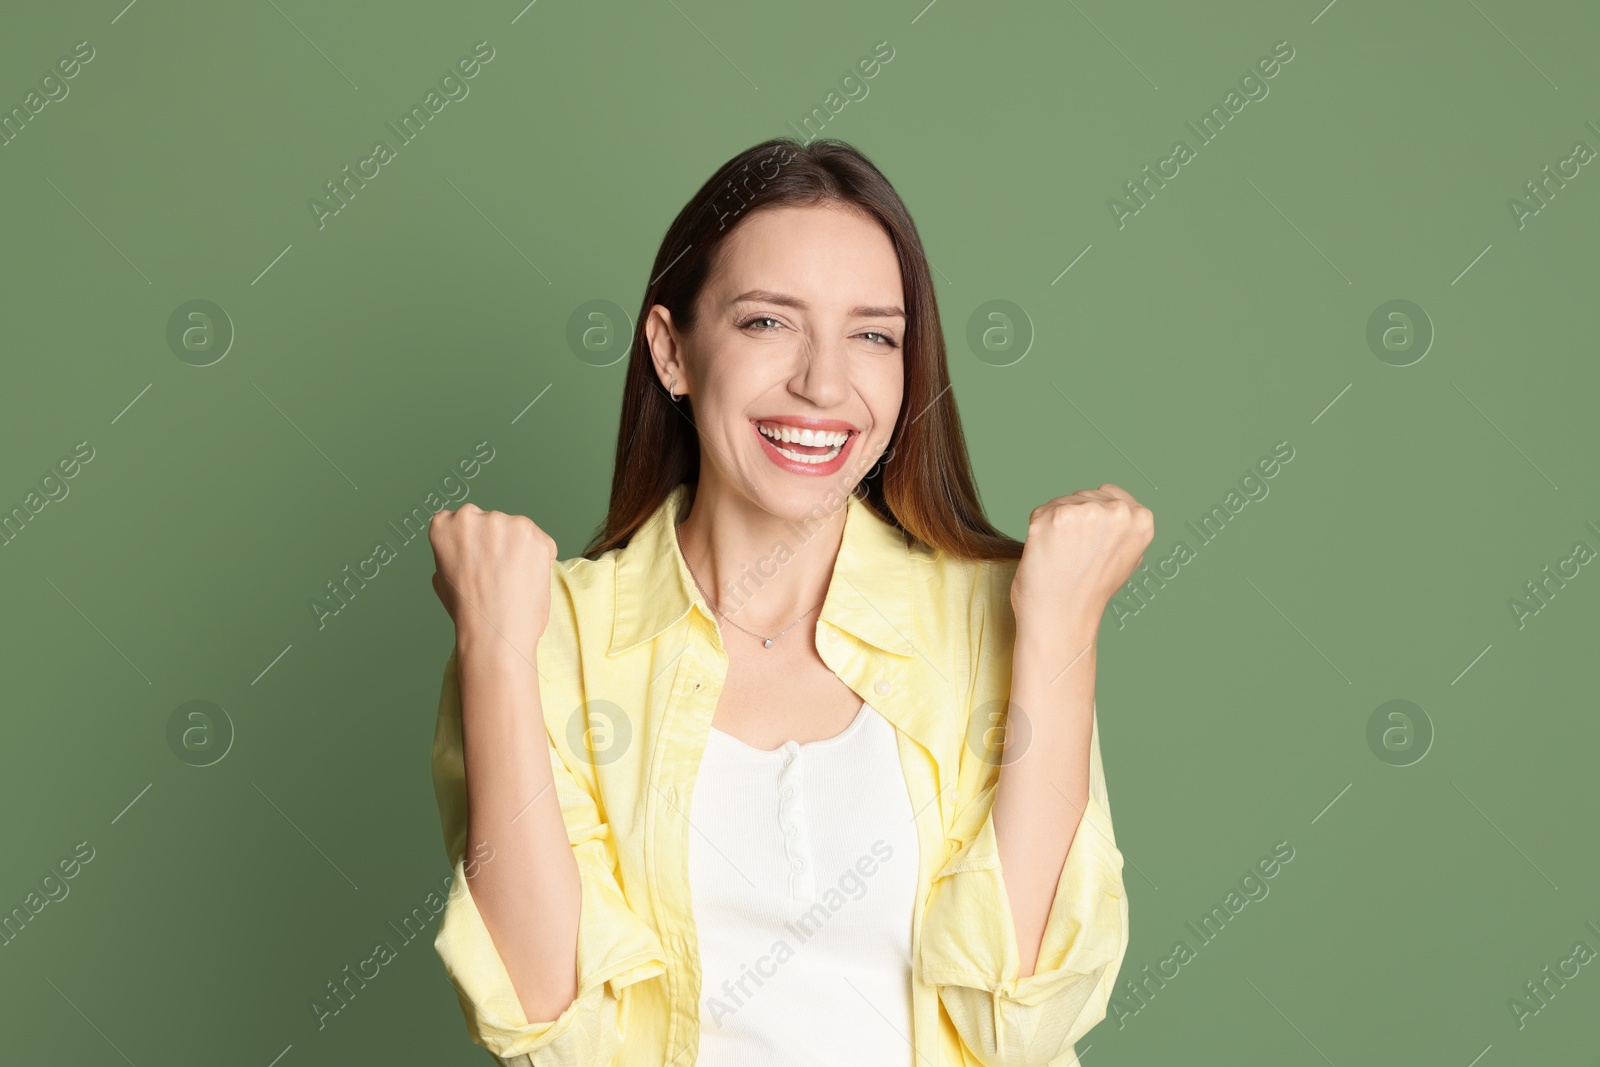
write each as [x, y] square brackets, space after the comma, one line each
[801, 499]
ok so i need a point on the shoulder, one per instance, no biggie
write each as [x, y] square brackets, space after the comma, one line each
[965, 578]
[992, 577]
[966, 594]
[991, 601]
[584, 581]
[582, 603]
[575, 640]
[583, 595]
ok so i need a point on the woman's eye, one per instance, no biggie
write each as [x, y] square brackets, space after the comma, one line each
[883, 339]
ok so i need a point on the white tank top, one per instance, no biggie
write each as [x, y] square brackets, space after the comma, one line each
[803, 876]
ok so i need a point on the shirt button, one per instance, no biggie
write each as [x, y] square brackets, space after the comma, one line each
[882, 686]
[794, 831]
[787, 793]
[799, 865]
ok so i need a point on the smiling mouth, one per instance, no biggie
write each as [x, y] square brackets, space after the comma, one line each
[802, 445]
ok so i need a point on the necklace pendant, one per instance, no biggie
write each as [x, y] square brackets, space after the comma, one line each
[768, 643]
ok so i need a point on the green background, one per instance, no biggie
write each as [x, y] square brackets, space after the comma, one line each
[372, 353]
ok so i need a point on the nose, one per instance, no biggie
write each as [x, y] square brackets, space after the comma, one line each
[822, 375]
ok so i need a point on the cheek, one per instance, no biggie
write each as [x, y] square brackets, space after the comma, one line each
[728, 382]
[884, 392]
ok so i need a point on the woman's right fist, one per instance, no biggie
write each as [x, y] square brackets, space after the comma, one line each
[493, 575]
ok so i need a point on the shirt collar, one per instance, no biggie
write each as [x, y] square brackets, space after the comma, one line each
[866, 596]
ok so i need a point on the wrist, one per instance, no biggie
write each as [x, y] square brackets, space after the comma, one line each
[486, 646]
[1075, 628]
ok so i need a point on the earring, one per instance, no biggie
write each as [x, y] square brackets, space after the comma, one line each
[672, 386]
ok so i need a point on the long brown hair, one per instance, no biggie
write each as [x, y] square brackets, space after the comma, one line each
[925, 488]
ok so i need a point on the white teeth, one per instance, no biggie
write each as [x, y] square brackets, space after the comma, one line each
[796, 436]
[833, 439]
[798, 458]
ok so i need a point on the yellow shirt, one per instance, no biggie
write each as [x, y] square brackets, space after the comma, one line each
[927, 640]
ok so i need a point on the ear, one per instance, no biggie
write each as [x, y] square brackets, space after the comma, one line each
[666, 349]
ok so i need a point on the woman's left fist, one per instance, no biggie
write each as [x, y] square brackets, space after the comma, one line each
[1079, 551]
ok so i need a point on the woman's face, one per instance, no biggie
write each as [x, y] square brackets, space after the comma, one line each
[795, 362]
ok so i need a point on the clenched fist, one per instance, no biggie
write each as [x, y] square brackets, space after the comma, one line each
[1079, 551]
[493, 576]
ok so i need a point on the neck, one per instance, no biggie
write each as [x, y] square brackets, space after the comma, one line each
[761, 569]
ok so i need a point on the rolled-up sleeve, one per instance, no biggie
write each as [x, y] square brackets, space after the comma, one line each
[969, 944]
[615, 949]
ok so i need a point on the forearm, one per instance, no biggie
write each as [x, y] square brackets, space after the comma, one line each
[529, 896]
[1044, 787]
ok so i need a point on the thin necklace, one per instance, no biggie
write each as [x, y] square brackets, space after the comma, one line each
[766, 642]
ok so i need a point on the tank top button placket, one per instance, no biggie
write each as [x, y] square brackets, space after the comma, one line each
[792, 823]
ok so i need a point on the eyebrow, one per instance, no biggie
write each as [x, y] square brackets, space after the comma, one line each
[767, 296]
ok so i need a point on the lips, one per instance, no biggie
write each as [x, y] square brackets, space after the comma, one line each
[804, 445]
[803, 439]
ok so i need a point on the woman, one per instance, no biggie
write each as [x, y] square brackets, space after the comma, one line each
[740, 782]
